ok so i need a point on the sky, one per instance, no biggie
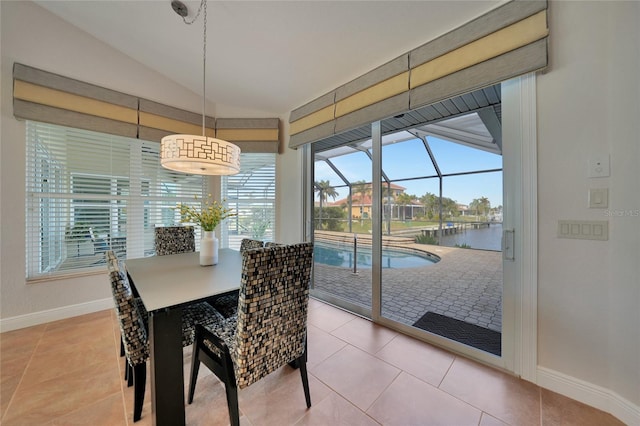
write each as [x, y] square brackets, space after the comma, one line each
[409, 159]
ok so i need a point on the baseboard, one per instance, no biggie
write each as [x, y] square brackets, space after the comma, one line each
[41, 317]
[590, 394]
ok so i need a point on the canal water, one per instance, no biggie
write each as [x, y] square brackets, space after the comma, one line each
[484, 238]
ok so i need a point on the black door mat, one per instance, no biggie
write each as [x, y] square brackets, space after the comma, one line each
[460, 331]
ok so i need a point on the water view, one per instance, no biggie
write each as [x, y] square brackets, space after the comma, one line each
[483, 239]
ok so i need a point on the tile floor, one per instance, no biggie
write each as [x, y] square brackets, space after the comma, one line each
[69, 373]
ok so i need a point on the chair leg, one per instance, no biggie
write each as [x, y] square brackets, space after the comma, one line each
[305, 379]
[121, 347]
[129, 375]
[232, 403]
[140, 373]
[195, 367]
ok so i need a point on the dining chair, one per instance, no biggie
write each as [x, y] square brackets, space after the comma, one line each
[270, 329]
[248, 244]
[133, 334]
[174, 240]
[227, 304]
[201, 313]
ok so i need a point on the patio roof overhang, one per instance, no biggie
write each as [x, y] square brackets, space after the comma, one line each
[473, 119]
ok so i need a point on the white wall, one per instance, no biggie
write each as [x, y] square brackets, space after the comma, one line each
[588, 105]
[53, 45]
[33, 36]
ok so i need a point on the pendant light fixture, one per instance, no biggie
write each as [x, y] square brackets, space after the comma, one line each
[199, 154]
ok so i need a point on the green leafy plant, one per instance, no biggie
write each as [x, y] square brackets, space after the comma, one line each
[257, 224]
[208, 217]
[426, 239]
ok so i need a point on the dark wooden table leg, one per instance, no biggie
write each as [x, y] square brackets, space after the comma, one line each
[167, 376]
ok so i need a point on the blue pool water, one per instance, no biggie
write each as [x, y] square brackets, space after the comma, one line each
[342, 256]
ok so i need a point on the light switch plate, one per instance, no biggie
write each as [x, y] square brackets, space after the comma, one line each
[598, 198]
[599, 166]
[584, 229]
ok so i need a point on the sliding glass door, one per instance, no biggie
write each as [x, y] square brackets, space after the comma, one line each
[342, 226]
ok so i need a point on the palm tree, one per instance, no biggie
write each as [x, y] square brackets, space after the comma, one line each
[363, 189]
[431, 204]
[324, 190]
[481, 205]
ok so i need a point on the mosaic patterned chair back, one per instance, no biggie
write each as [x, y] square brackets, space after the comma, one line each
[132, 330]
[174, 240]
[272, 310]
[248, 244]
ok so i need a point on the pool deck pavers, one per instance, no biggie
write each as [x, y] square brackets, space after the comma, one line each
[465, 284]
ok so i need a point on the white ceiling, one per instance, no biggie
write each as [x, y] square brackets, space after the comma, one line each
[270, 56]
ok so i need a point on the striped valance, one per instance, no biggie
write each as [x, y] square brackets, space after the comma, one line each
[508, 41]
[46, 97]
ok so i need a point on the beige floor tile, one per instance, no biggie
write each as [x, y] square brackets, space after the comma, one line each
[410, 401]
[8, 387]
[356, 375]
[488, 420]
[281, 401]
[88, 330]
[12, 370]
[209, 405]
[364, 334]
[79, 357]
[321, 345]
[47, 400]
[49, 376]
[505, 397]
[558, 410]
[315, 303]
[426, 362]
[335, 410]
[106, 412]
[328, 318]
[20, 343]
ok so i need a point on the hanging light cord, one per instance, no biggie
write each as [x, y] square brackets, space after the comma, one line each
[203, 7]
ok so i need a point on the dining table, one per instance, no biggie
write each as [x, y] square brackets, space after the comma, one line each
[166, 284]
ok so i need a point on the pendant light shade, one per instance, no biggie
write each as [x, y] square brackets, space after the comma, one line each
[195, 154]
[199, 155]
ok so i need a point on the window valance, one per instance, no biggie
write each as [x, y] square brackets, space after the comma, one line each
[47, 97]
[506, 42]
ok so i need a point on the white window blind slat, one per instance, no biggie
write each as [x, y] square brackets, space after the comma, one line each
[251, 194]
[88, 192]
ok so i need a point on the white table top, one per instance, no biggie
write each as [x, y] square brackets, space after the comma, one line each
[169, 281]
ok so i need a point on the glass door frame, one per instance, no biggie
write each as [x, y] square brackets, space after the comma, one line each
[519, 342]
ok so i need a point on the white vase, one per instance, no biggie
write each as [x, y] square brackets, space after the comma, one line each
[208, 249]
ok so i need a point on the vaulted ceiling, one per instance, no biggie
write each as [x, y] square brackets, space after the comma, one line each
[269, 56]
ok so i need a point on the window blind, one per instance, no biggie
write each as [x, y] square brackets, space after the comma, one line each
[252, 194]
[88, 192]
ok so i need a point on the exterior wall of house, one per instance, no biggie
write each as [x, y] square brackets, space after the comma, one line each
[587, 103]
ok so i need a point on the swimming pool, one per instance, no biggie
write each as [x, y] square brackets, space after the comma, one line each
[342, 256]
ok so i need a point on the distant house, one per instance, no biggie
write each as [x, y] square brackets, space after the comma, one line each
[361, 202]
